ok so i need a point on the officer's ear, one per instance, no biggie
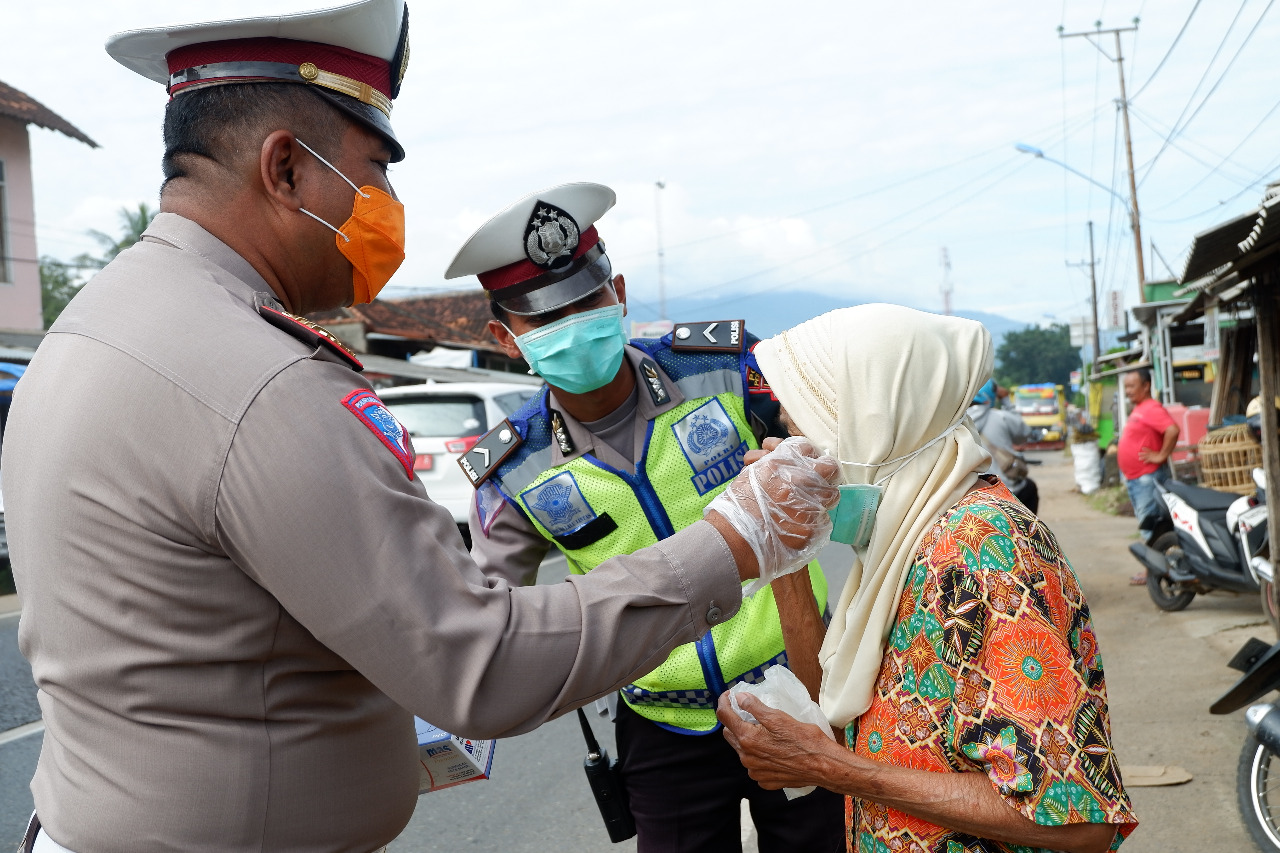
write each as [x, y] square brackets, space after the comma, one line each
[280, 161]
[620, 289]
[505, 339]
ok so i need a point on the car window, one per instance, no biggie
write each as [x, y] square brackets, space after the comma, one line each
[513, 400]
[440, 415]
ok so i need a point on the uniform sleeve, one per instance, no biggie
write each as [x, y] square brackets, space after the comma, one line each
[315, 506]
[505, 544]
[1031, 706]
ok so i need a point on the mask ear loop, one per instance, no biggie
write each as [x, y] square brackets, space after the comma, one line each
[333, 167]
[906, 456]
[340, 175]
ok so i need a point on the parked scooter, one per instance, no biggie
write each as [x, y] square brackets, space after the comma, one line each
[1258, 770]
[1206, 540]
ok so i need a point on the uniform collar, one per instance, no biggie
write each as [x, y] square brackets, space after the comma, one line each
[647, 408]
[184, 234]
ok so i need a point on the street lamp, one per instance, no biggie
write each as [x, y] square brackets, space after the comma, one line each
[1037, 153]
[1133, 216]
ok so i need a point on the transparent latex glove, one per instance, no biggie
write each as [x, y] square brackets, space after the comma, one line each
[779, 504]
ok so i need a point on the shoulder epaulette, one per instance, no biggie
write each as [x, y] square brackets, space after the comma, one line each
[309, 333]
[715, 336]
[489, 452]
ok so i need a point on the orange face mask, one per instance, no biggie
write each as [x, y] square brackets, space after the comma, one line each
[372, 238]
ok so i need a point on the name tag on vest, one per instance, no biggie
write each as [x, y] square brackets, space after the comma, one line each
[710, 442]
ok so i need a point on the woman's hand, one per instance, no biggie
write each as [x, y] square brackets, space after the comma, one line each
[779, 751]
[766, 447]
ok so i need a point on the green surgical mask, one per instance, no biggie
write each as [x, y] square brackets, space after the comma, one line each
[578, 353]
[854, 517]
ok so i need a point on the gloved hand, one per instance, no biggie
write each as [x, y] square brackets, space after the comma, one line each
[779, 506]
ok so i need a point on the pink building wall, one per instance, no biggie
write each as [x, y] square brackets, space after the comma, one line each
[20, 288]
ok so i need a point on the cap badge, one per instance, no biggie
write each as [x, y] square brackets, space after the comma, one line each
[550, 237]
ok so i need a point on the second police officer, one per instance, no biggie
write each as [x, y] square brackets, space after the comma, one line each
[626, 444]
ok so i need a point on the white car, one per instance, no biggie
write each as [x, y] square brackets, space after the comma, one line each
[445, 420]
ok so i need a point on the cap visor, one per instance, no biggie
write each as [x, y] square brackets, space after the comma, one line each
[558, 294]
[367, 115]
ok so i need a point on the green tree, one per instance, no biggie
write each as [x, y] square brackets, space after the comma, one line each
[1037, 355]
[58, 283]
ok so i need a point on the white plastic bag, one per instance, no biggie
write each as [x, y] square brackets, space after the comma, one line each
[1088, 476]
[783, 691]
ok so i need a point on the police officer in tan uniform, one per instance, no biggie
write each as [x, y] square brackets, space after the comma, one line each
[234, 590]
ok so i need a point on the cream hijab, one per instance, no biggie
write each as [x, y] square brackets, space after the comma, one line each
[869, 384]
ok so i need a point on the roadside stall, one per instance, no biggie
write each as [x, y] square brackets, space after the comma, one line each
[1232, 278]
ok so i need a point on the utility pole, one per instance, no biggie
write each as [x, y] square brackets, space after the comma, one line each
[658, 187]
[1093, 289]
[945, 259]
[1118, 59]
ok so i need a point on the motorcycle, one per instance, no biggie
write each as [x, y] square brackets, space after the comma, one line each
[1258, 770]
[1205, 540]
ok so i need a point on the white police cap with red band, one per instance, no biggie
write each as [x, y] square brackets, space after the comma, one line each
[354, 56]
[541, 253]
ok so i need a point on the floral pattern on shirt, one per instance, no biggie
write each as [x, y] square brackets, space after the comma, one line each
[992, 666]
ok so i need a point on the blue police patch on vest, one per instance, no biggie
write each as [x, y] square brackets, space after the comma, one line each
[558, 504]
[710, 442]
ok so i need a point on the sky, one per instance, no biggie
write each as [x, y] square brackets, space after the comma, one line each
[826, 147]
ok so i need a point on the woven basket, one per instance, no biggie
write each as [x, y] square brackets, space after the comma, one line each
[1227, 459]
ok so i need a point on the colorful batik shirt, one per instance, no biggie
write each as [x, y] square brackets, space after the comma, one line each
[992, 666]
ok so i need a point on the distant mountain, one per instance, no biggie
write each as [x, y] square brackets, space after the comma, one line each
[767, 314]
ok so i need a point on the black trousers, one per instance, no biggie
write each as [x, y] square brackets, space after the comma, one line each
[686, 793]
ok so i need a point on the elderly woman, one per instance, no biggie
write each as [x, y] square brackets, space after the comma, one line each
[961, 660]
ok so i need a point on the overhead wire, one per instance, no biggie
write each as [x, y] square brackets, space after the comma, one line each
[1223, 162]
[739, 297]
[1168, 53]
[1180, 125]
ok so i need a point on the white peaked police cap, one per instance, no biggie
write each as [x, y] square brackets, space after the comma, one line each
[542, 252]
[355, 56]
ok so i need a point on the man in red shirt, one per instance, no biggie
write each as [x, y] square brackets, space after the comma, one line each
[1148, 439]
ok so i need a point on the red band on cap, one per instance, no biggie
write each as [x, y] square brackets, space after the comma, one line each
[327, 57]
[522, 271]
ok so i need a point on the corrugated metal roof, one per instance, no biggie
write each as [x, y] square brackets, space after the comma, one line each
[1213, 249]
[25, 108]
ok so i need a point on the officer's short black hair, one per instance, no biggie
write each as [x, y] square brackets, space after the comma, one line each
[1144, 375]
[217, 121]
[499, 313]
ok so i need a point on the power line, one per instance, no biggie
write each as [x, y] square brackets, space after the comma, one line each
[868, 250]
[1168, 53]
[1180, 125]
[1079, 121]
[1153, 125]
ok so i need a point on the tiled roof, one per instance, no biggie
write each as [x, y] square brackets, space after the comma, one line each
[24, 108]
[458, 319]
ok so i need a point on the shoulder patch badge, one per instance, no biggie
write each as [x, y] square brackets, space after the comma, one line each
[716, 336]
[366, 406]
[489, 452]
[309, 333]
[558, 504]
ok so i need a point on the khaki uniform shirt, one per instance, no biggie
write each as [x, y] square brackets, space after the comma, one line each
[234, 595]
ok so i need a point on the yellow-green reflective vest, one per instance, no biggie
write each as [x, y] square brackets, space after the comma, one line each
[592, 512]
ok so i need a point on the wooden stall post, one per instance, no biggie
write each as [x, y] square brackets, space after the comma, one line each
[1266, 306]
